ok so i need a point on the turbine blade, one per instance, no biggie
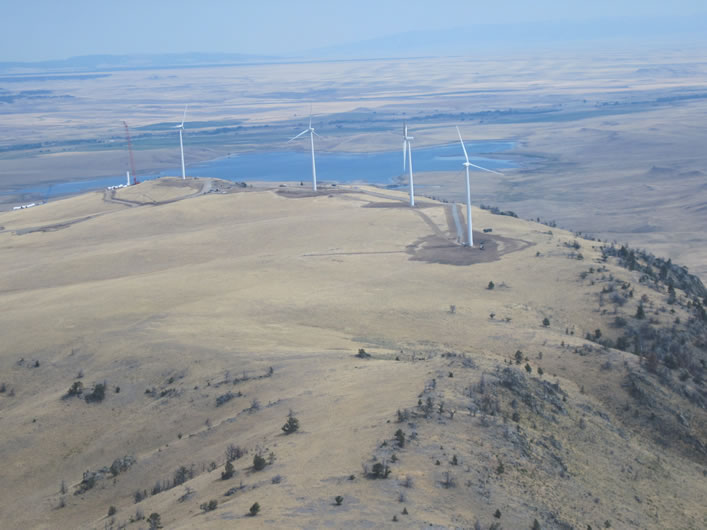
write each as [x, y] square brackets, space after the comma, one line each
[184, 117]
[486, 169]
[463, 147]
[405, 154]
[300, 134]
[315, 133]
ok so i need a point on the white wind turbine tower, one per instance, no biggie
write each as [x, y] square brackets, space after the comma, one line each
[311, 132]
[181, 144]
[407, 153]
[468, 188]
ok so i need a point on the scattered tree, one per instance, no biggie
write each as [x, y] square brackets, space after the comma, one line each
[380, 470]
[640, 313]
[76, 389]
[254, 509]
[338, 500]
[546, 322]
[228, 471]
[291, 425]
[400, 438]
[97, 394]
[154, 522]
[259, 463]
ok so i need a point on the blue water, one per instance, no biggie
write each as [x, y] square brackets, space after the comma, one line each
[374, 168]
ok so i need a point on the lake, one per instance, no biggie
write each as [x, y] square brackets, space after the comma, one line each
[381, 168]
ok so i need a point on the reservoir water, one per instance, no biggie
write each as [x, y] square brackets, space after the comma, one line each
[381, 168]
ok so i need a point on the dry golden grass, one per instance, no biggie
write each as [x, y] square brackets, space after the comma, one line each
[188, 294]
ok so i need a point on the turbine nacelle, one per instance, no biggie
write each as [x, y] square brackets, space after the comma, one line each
[312, 134]
[407, 154]
[180, 127]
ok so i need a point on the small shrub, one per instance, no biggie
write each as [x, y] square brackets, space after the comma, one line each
[227, 472]
[380, 470]
[400, 438]
[449, 481]
[97, 394]
[111, 511]
[536, 525]
[76, 389]
[209, 506]
[225, 398]
[528, 368]
[233, 452]
[181, 475]
[254, 509]
[500, 469]
[338, 500]
[546, 322]
[154, 522]
[291, 425]
[497, 514]
[640, 312]
[259, 463]
[490, 286]
[362, 354]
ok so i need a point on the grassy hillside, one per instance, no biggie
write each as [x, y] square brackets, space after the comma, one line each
[433, 384]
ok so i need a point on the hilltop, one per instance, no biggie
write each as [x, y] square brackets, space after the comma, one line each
[152, 334]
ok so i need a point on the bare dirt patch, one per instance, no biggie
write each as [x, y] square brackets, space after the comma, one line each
[437, 249]
[303, 194]
[399, 204]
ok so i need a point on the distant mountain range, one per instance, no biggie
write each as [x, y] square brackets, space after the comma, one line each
[644, 31]
[92, 63]
[619, 32]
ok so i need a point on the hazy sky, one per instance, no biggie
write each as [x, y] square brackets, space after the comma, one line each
[54, 29]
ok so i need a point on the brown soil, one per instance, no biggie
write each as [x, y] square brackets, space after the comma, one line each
[488, 248]
[400, 204]
[291, 193]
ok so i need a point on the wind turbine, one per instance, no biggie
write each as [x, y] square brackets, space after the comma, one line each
[181, 144]
[311, 132]
[407, 152]
[467, 164]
